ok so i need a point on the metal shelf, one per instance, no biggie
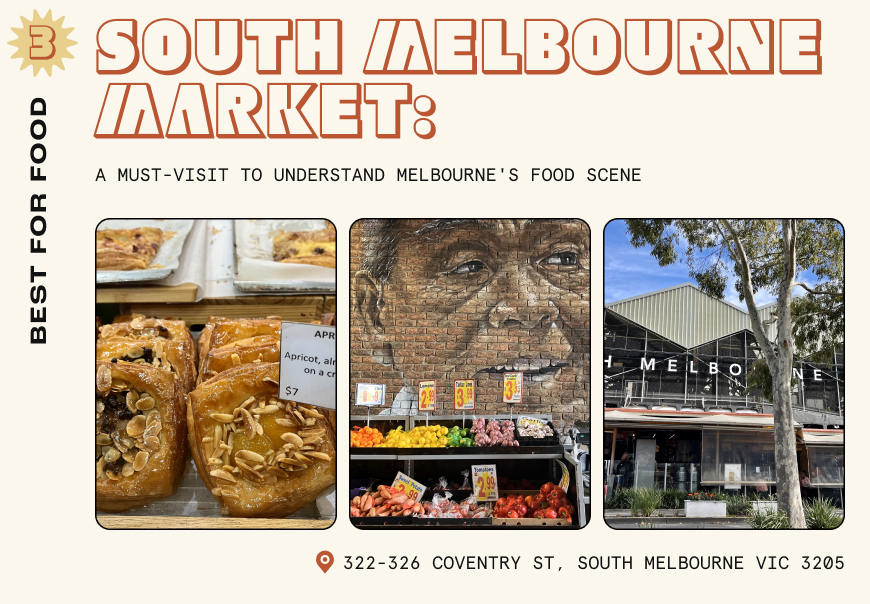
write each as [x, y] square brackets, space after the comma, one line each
[483, 456]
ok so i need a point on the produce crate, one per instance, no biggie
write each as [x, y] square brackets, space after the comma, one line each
[448, 522]
[385, 521]
[547, 441]
[553, 522]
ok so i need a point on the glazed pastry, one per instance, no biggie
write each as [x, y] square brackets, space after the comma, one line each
[139, 328]
[260, 456]
[169, 355]
[258, 349]
[141, 427]
[305, 247]
[222, 331]
[127, 249]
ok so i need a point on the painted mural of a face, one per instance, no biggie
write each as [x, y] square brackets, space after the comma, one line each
[459, 299]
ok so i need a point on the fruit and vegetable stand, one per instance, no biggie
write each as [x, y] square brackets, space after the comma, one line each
[439, 452]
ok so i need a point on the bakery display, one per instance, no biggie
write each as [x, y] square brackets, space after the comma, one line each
[259, 455]
[305, 247]
[220, 332]
[141, 429]
[127, 249]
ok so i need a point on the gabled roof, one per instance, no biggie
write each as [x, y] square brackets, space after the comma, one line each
[687, 316]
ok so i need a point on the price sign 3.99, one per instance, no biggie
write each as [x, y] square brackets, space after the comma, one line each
[485, 481]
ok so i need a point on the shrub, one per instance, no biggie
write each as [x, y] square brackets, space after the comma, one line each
[645, 501]
[738, 505]
[674, 499]
[620, 500]
[768, 519]
[821, 514]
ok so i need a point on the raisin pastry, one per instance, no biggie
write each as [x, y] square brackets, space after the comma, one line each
[127, 249]
[141, 428]
[258, 349]
[139, 329]
[305, 247]
[169, 355]
[260, 456]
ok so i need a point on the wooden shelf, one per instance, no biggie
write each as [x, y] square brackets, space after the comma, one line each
[128, 294]
[178, 522]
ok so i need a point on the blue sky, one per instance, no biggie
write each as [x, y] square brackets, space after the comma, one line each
[631, 272]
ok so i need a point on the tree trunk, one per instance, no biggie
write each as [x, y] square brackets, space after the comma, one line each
[779, 356]
[788, 486]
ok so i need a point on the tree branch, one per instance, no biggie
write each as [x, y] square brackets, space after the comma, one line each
[817, 292]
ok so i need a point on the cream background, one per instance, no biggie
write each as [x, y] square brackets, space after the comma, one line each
[706, 145]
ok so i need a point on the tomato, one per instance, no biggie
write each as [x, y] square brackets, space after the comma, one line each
[513, 514]
[547, 488]
[550, 513]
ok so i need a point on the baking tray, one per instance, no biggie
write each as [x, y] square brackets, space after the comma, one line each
[256, 272]
[174, 234]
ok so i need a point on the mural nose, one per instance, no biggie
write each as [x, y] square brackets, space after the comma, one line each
[520, 304]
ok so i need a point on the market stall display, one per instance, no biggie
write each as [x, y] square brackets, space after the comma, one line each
[449, 500]
[127, 249]
[137, 250]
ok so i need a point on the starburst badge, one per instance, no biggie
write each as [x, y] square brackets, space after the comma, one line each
[42, 43]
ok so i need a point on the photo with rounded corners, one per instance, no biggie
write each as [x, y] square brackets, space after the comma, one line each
[724, 369]
[192, 319]
[469, 389]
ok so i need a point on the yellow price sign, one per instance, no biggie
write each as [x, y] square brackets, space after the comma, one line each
[463, 395]
[406, 485]
[513, 388]
[485, 482]
[426, 396]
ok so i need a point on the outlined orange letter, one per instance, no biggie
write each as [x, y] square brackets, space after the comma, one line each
[388, 99]
[268, 35]
[694, 35]
[289, 121]
[191, 104]
[219, 46]
[241, 103]
[398, 47]
[334, 123]
[495, 47]
[750, 42]
[318, 46]
[117, 58]
[657, 36]
[600, 46]
[128, 111]
[545, 41]
[454, 46]
[794, 58]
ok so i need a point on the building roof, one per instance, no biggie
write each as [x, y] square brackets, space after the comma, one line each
[687, 316]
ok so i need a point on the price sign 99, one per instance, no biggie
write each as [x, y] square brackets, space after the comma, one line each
[485, 481]
[406, 485]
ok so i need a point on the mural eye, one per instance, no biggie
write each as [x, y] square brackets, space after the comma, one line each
[469, 267]
[561, 259]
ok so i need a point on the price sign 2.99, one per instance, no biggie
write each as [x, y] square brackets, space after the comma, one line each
[426, 396]
[485, 481]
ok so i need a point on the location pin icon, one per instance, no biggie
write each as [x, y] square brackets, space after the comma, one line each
[325, 560]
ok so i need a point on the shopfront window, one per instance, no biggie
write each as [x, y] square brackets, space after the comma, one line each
[734, 458]
[826, 465]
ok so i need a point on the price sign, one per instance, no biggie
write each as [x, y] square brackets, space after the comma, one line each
[308, 371]
[463, 395]
[513, 388]
[426, 396]
[406, 485]
[485, 482]
[370, 395]
[531, 421]
[566, 478]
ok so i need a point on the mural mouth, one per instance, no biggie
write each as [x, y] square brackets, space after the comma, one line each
[537, 370]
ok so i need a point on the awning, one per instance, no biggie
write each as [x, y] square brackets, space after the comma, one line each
[817, 438]
[625, 417]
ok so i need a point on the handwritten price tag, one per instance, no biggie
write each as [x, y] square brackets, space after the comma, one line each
[426, 396]
[463, 395]
[513, 388]
[485, 481]
[406, 485]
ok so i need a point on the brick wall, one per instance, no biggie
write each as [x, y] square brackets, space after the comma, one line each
[462, 301]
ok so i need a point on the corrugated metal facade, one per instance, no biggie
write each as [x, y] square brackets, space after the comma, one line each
[687, 316]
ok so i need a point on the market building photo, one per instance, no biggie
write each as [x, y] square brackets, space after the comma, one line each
[686, 426]
[470, 369]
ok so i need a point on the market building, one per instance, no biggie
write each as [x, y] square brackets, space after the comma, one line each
[677, 413]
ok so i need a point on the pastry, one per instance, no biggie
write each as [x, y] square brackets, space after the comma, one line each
[222, 331]
[305, 247]
[260, 456]
[170, 355]
[127, 249]
[258, 349]
[140, 329]
[141, 427]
